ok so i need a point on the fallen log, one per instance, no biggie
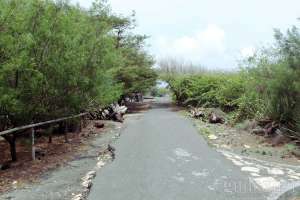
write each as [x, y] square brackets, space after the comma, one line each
[271, 128]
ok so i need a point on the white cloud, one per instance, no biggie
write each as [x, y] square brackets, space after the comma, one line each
[212, 33]
[165, 20]
[198, 47]
[247, 52]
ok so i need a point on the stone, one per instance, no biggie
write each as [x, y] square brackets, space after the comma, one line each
[250, 169]
[214, 119]
[258, 131]
[78, 197]
[99, 124]
[118, 118]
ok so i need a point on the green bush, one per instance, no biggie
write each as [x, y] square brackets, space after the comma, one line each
[159, 92]
[57, 59]
[230, 92]
[210, 90]
[267, 87]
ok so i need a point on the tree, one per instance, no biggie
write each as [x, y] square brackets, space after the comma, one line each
[57, 59]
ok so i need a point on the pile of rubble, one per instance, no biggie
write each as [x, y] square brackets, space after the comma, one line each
[212, 116]
[105, 156]
[113, 112]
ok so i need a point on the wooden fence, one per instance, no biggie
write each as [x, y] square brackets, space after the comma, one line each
[32, 127]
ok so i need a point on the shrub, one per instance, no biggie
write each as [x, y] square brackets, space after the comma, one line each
[57, 59]
[267, 87]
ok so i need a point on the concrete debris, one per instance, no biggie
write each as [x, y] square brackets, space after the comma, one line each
[78, 197]
[104, 156]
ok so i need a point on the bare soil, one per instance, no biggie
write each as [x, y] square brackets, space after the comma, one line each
[57, 154]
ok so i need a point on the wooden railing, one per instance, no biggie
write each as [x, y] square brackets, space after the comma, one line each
[32, 127]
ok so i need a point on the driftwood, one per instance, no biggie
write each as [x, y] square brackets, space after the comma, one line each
[280, 132]
[210, 116]
[258, 131]
[280, 138]
[271, 128]
[112, 112]
[197, 112]
[264, 122]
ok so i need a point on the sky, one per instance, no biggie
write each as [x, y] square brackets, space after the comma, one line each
[216, 34]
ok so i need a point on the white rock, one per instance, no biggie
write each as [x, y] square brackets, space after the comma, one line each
[87, 184]
[237, 163]
[250, 169]
[100, 164]
[92, 174]
[248, 163]
[255, 175]
[78, 197]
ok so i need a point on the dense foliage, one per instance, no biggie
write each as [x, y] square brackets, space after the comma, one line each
[57, 59]
[268, 86]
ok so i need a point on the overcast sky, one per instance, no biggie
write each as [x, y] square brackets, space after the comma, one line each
[214, 33]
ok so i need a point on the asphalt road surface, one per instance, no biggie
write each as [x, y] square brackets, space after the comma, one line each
[163, 157]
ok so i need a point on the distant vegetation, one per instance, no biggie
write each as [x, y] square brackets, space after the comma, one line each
[159, 92]
[267, 86]
[57, 59]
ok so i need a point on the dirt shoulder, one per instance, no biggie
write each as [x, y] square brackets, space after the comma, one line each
[60, 172]
[239, 140]
[57, 174]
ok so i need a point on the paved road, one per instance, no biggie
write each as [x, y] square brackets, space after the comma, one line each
[162, 157]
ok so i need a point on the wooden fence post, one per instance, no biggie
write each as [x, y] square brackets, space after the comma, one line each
[66, 133]
[32, 144]
[11, 139]
[80, 125]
